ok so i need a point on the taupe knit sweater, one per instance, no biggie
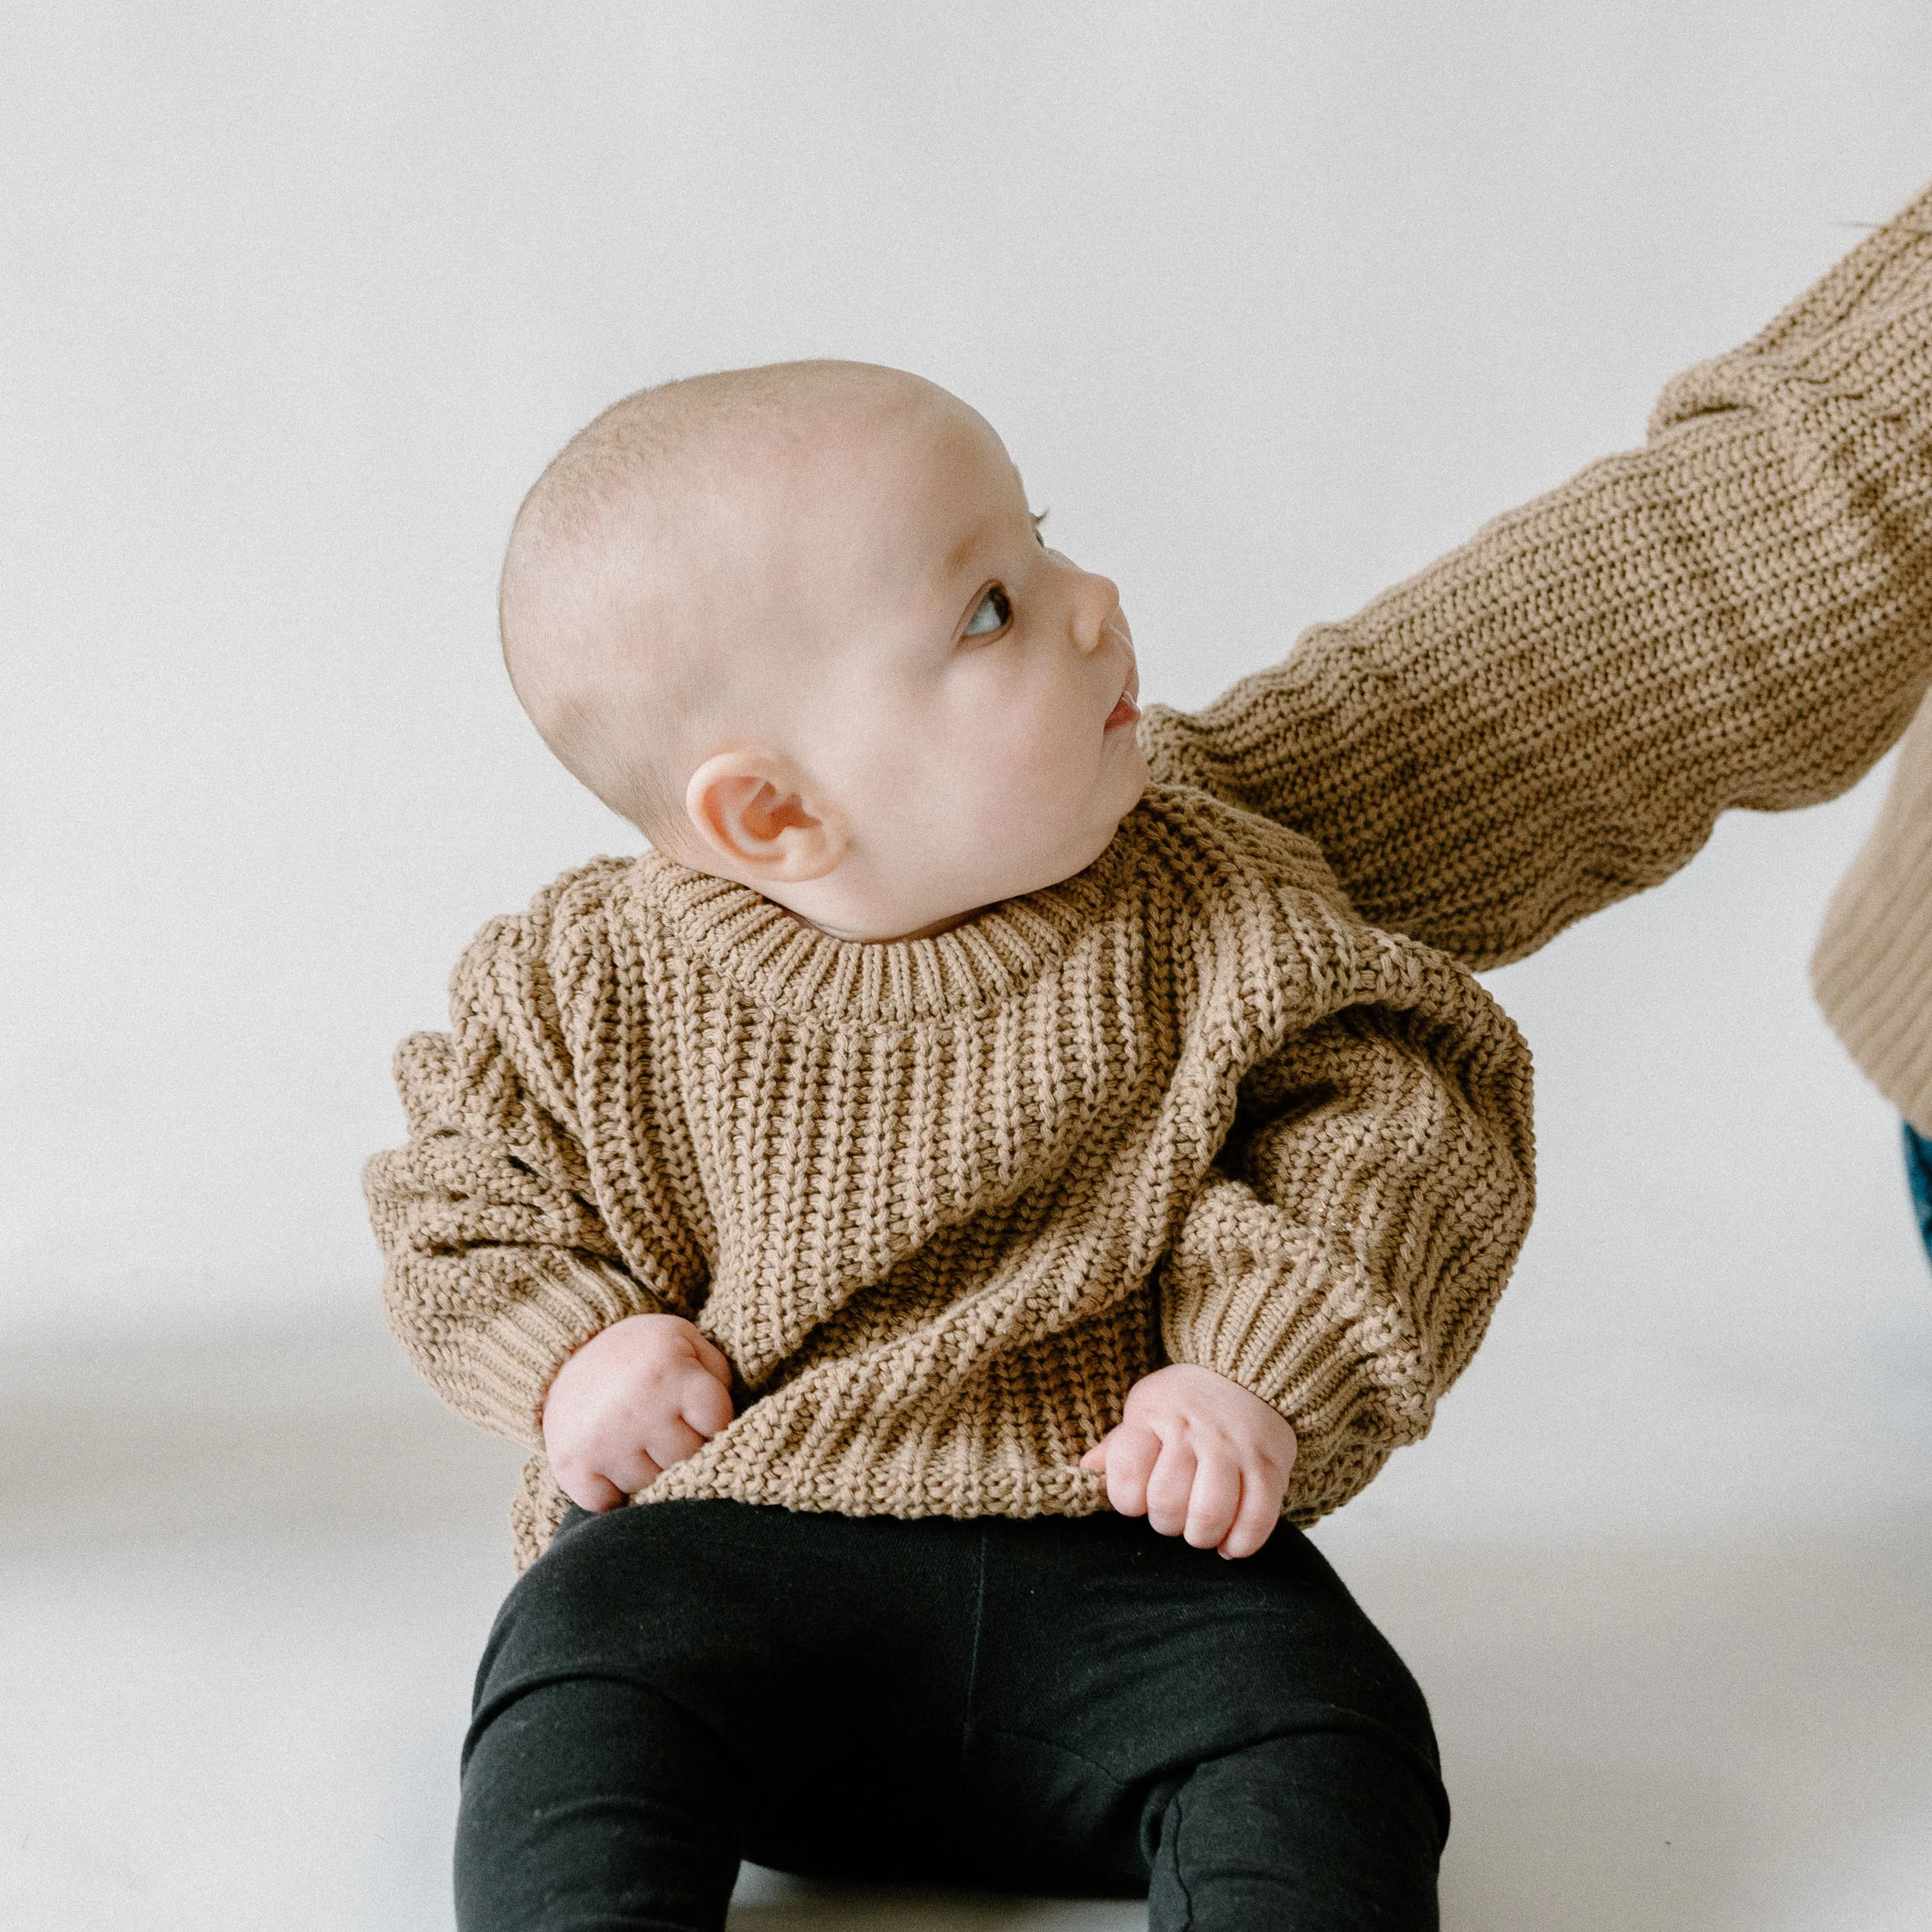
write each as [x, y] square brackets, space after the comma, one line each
[1872, 968]
[941, 1201]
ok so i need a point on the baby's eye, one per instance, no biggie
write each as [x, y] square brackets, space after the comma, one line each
[994, 612]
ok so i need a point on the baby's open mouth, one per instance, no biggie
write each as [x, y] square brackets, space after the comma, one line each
[1125, 711]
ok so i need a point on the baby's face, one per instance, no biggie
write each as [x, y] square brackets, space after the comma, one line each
[958, 699]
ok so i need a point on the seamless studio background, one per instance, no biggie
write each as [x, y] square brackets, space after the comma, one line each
[1272, 303]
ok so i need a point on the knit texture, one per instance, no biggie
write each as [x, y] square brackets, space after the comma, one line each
[1220, 1097]
[1553, 717]
[1872, 968]
[942, 1202]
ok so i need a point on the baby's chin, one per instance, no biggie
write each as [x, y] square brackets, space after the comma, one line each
[1073, 855]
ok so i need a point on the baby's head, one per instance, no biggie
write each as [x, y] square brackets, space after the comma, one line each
[797, 625]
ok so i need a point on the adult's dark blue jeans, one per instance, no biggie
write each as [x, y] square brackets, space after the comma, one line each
[1919, 1171]
[1060, 1706]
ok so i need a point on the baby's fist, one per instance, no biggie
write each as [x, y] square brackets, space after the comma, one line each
[639, 1395]
[1199, 1456]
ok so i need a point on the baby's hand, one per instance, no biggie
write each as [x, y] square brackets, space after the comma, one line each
[639, 1395]
[1198, 1455]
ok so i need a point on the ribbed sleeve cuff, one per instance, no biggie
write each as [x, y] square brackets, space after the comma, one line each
[512, 1362]
[1281, 1312]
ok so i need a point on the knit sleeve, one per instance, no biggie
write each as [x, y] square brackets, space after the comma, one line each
[1872, 970]
[1343, 1257]
[1551, 718]
[498, 1262]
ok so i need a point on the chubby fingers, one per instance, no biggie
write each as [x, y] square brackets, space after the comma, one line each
[1215, 1501]
[1148, 1474]
[704, 1402]
[1195, 1488]
[715, 1364]
[1259, 1511]
[693, 1408]
[598, 1482]
[1170, 1486]
[588, 1490]
[612, 1437]
[1127, 1455]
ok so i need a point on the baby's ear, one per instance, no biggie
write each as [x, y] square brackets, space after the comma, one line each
[757, 819]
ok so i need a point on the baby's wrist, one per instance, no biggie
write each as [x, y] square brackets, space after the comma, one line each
[1192, 1388]
[637, 1343]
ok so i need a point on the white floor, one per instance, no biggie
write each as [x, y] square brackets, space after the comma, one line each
[236, 1650]
[1664, 1567]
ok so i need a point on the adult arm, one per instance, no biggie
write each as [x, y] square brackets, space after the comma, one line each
[1551, 718]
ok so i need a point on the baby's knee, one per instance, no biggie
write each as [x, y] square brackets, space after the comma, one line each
[1391, 1700]
[559, 1617]
[1341, 1827]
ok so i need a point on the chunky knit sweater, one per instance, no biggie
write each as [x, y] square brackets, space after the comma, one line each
[1551, 718]
[1225, 1097]
[942, 1202]
[1872, 968]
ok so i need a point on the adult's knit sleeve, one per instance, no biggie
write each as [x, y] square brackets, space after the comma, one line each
[498, 1263]
[1739, 613]
[1343, 1257]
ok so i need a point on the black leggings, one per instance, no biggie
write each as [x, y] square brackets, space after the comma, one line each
[1059, 1706]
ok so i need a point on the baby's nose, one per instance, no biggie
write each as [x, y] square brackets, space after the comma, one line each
[1096, 609]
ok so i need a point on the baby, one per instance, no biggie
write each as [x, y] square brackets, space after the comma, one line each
[982, 1119]
[799, 626]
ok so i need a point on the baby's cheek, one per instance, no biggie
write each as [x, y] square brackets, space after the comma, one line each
[1052, 768]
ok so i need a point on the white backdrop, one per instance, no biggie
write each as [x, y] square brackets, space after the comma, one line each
[1272, 302]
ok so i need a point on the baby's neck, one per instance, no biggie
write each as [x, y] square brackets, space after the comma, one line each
[931, 931]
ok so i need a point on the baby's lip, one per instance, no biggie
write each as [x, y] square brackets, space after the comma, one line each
[1126, 710]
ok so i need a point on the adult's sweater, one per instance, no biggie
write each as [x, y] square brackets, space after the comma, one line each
[1873, 966]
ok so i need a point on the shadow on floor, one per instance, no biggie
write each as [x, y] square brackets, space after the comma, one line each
[768, 1902]
[323, 1430]
[1732, 1734]
[245, 1580]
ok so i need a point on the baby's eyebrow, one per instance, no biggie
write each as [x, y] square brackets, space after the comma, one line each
[956, 557]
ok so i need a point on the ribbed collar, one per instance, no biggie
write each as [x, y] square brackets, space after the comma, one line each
[785, 965]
